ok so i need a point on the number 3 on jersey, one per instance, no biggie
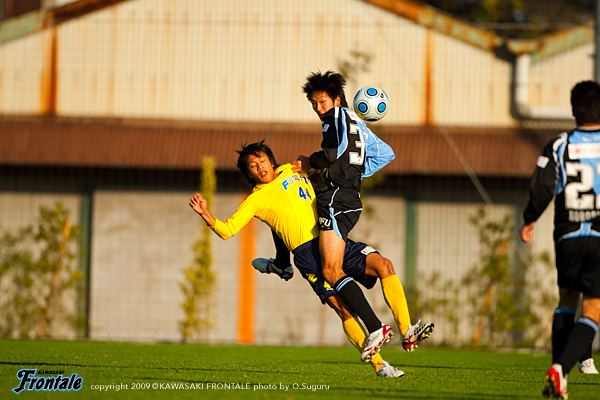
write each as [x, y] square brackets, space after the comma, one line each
[356, 157]
[304, 193]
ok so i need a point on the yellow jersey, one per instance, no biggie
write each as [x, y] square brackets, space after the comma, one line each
[287, 205]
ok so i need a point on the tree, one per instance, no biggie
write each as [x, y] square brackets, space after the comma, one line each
[198, 287]
[501, 293]
[37, 269]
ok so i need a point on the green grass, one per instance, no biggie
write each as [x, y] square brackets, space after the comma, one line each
[334, 373]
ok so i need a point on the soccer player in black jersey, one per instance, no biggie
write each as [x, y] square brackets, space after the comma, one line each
[342, 160]
[568, 170]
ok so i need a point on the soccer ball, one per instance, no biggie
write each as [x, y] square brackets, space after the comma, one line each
[371, 103]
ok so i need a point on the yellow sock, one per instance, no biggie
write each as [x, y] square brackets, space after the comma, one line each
[357, 336]
[393, 292]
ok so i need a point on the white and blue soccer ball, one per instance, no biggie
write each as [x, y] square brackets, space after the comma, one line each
[371, 103]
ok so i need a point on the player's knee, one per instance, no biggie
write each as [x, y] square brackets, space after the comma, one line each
[383, 267]
[591, 309]
[388, 267]
[332, 274]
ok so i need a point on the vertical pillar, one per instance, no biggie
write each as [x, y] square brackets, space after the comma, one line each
[410, 252]
[85, 243]
[49, 85]
[246, 284]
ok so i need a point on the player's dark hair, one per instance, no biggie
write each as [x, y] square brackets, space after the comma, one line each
[585, 102]
[255, 149]
[330, 82]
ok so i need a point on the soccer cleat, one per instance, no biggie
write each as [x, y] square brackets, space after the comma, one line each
[587, 366]
[556, 384]
[375, 341]
[415, 335]
[388, 371]
[267, 266]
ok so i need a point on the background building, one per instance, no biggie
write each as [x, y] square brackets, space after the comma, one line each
[111, 105]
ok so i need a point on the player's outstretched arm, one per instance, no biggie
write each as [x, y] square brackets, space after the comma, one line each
[198, 204]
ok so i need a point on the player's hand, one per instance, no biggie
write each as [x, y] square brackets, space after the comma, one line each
[296, 166]
[198, 204]
[527, 232]
[302, 164]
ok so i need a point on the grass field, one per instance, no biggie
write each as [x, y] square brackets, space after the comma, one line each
[254, 372]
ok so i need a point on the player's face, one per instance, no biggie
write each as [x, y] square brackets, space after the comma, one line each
[321, 103]
[261, 169]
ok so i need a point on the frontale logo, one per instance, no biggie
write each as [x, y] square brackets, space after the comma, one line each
[29, 381]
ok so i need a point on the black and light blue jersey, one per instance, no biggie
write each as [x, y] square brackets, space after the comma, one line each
[349, 150]
[569, 171]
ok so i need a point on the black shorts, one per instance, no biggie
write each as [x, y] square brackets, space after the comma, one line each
[338, 210]
[307, 260]
[578, 264]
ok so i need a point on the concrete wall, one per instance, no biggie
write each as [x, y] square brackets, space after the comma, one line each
[142, 240]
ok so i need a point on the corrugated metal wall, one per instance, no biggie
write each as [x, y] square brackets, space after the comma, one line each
[246, 61]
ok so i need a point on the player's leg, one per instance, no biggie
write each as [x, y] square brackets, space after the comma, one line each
[332, 250]
[586, 362]
[568, 262]
[579, 340]
[393, 292]
[307, 261]
[582, 335]
[357, 336]
[352, 328]
[334, 227]
[331, 247]
[563, 320]
[578, 267]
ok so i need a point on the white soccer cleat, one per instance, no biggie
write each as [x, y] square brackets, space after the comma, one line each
[416, 334]
[587, 366]
[375, 341]
[267, 266]
[388, 371]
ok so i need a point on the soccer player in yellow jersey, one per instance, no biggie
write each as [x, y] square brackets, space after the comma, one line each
[285, 201]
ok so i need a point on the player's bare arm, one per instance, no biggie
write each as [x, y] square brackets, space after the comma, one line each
[199, 204]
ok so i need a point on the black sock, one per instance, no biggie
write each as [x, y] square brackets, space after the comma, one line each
[586, 355]
[351, 293]
[562, 323]
[580, 340]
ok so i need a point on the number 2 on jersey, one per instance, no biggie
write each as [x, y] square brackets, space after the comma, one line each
[576, 196]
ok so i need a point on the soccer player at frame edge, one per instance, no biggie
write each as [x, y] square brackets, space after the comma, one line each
[342, 160]
[285, 201]
[568, 171]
